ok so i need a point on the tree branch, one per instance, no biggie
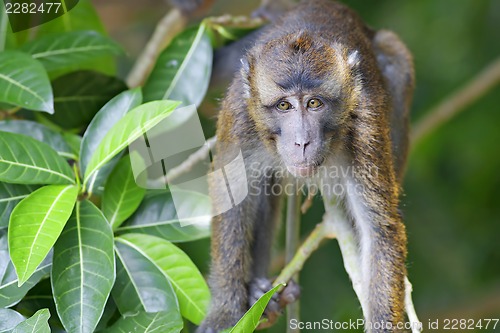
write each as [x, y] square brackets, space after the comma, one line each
[457, 101]
[169, 26]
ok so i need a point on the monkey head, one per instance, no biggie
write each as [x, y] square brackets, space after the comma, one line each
[300, 92]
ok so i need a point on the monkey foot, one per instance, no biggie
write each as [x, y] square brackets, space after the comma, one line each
[278, 302]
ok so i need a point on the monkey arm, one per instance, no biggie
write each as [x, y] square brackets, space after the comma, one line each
[230, 268]
[378, 224]
[365, 285]
[241, 235]
[372, 204]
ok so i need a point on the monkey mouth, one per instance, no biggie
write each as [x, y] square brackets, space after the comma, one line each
[304, 170]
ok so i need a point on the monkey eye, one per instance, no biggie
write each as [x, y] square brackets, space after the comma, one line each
[283, 106]
[314, 103]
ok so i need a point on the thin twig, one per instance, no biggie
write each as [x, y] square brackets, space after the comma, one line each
[169, 26]
[292, 224]
[192, 160]
[309, 200]
[453, 104]
[311, 243]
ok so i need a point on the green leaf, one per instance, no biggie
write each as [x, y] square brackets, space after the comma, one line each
[104, 120]
[38, 323]
[39, 132]
[36, 223]
[24, 82]
[4, 24]
[10, 293]
[121, 196]
[10, 195]
[67, 49]
[182, 71]
[7, 40]
[251, 319]
[145, 322]
[187, 281]
[9, 319]
[157, 216]
[82, 17]
[140, 285]
[100, 125]
[40, 297]
[79, 95]
[27, 161]
[83, 270]
[129, 128]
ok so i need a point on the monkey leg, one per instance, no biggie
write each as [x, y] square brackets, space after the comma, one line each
[229, 272]
[241, 242]
[265, 225]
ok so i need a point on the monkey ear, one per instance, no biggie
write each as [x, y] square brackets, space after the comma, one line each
[245, 66]
[245, 74]
[353, 59]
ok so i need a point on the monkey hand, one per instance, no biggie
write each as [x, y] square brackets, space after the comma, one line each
[278, 302]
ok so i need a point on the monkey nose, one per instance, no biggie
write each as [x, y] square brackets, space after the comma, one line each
[302, 144]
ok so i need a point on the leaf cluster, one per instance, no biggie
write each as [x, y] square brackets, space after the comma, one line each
[83, 248]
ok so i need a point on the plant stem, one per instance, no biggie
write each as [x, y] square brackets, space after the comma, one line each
[292, 242]
[303, 253]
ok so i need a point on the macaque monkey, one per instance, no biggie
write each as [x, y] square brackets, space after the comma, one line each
[317, 92]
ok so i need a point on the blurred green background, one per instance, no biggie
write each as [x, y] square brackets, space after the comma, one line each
[451, 202]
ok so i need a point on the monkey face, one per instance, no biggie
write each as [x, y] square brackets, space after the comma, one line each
[301, 90]
[299, 135]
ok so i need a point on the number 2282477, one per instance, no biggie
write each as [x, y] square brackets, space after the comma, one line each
[32, 8]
